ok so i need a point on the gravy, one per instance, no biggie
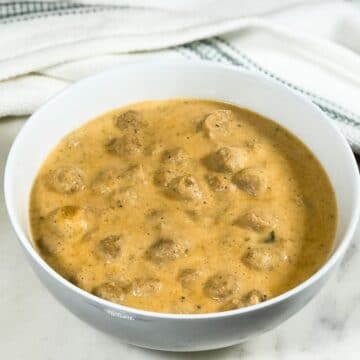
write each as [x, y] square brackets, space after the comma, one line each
[183, 206]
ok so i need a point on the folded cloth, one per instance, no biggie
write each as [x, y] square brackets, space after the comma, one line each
[311, 47]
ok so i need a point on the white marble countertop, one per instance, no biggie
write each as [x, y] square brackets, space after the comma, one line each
[34, 326]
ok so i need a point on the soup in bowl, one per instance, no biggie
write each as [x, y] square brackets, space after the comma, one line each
[199, 208]
[183, 206]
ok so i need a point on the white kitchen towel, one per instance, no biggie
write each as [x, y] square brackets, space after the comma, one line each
[310, 46]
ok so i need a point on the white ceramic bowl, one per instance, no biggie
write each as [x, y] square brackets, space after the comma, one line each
[157, 80]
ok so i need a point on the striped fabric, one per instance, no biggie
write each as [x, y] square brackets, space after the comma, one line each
[219, 50]
[216, 49]
[16, 10]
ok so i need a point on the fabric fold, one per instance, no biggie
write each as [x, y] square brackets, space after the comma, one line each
[49, 44]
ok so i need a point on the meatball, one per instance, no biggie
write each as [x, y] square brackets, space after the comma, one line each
[217, 123]
[232, 304]
[188, 276]
[262, 258]
[111, 180]
[184, 188]
[174, 164]
[163, 176]
[176, 157]
[257, 220]
[66, 179]
[154, 148]
[164, 251]
[253, 297]
[126, 145]
[133, 175]
[65, 224]
[221, 286]
[107, 181]
[226, 159]
[155, 214]
[146, 286]
[124, 198]
[109, 248]
[219, 182]
[114, 291]
[131, 120]
[251, 180]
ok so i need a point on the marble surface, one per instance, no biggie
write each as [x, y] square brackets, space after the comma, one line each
[34, 326]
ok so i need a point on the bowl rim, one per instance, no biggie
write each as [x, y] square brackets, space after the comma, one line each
[130, 312]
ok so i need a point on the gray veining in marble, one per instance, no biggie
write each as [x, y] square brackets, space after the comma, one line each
[34, 326]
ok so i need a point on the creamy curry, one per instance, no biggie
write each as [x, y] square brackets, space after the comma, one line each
[183, 206]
